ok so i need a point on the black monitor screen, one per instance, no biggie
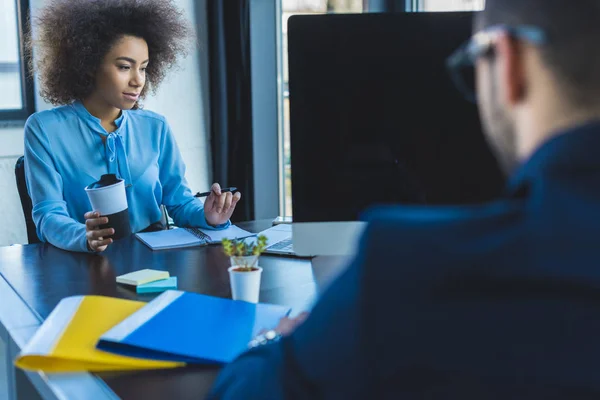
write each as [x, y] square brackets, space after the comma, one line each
[376, 119]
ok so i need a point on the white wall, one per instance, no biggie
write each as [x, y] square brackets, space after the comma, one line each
[183, 99]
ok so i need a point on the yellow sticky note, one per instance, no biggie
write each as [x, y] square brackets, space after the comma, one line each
[142, 276]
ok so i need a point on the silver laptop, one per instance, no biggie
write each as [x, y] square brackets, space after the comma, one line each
[327, 238]
[315, 238]
[279, 240]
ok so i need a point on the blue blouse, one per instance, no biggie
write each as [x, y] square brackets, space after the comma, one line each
[64, 153]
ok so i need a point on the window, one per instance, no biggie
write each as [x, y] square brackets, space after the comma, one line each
[451, 5]
[16, 102]
[289, 8]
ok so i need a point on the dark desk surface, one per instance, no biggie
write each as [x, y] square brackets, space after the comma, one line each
[43, 275]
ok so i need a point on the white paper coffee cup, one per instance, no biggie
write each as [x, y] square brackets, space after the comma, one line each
[108, 197]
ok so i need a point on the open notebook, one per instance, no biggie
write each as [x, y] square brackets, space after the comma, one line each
[189, 237]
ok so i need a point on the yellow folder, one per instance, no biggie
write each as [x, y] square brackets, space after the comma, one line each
[66, 341]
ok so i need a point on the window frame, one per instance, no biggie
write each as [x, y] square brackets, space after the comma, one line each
[8, 116]
[265, 27]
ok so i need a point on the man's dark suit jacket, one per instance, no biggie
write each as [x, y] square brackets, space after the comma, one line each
[500, 301]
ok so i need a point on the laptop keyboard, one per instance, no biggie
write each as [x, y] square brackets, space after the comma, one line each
[284, 245]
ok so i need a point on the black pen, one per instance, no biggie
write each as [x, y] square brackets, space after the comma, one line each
[224, 190]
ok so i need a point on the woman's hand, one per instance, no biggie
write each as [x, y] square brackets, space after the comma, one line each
[94, 235]
[218, 206]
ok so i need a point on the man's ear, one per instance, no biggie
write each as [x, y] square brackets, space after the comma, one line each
[510, 68]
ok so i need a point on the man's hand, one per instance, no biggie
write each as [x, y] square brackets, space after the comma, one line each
[288, 325]
[218, 206]
[94, 235]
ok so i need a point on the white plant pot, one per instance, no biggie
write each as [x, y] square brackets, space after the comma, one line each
[245, 285]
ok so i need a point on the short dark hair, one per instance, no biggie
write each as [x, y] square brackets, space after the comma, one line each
[573, 29]
[73, 36]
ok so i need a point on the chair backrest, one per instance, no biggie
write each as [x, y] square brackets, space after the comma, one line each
[25, 200]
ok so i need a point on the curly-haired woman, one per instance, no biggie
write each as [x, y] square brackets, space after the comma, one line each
[96, 60]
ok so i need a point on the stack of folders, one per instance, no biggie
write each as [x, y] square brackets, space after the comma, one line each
[191, 328]
[66, 341]
[172, 330]
[149, 281]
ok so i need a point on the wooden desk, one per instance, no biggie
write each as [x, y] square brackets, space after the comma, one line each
[42, 275]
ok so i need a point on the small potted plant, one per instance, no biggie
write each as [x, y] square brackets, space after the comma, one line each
[244, 273]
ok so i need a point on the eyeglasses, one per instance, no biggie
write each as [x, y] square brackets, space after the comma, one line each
[461, 63]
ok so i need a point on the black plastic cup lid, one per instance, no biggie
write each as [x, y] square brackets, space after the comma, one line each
[105, 180]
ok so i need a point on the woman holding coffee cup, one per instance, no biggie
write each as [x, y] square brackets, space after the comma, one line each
[96, 60]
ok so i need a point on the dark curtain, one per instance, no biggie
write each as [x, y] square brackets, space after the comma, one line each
[385, 5]
[230, 99]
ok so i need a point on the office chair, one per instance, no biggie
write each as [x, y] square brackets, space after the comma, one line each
[25, 200]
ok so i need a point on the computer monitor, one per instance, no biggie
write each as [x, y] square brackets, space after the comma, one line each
[376, 119]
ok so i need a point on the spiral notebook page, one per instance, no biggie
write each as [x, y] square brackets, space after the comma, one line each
[189, 237]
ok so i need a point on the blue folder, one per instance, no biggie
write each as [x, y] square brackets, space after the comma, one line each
[191, 328]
